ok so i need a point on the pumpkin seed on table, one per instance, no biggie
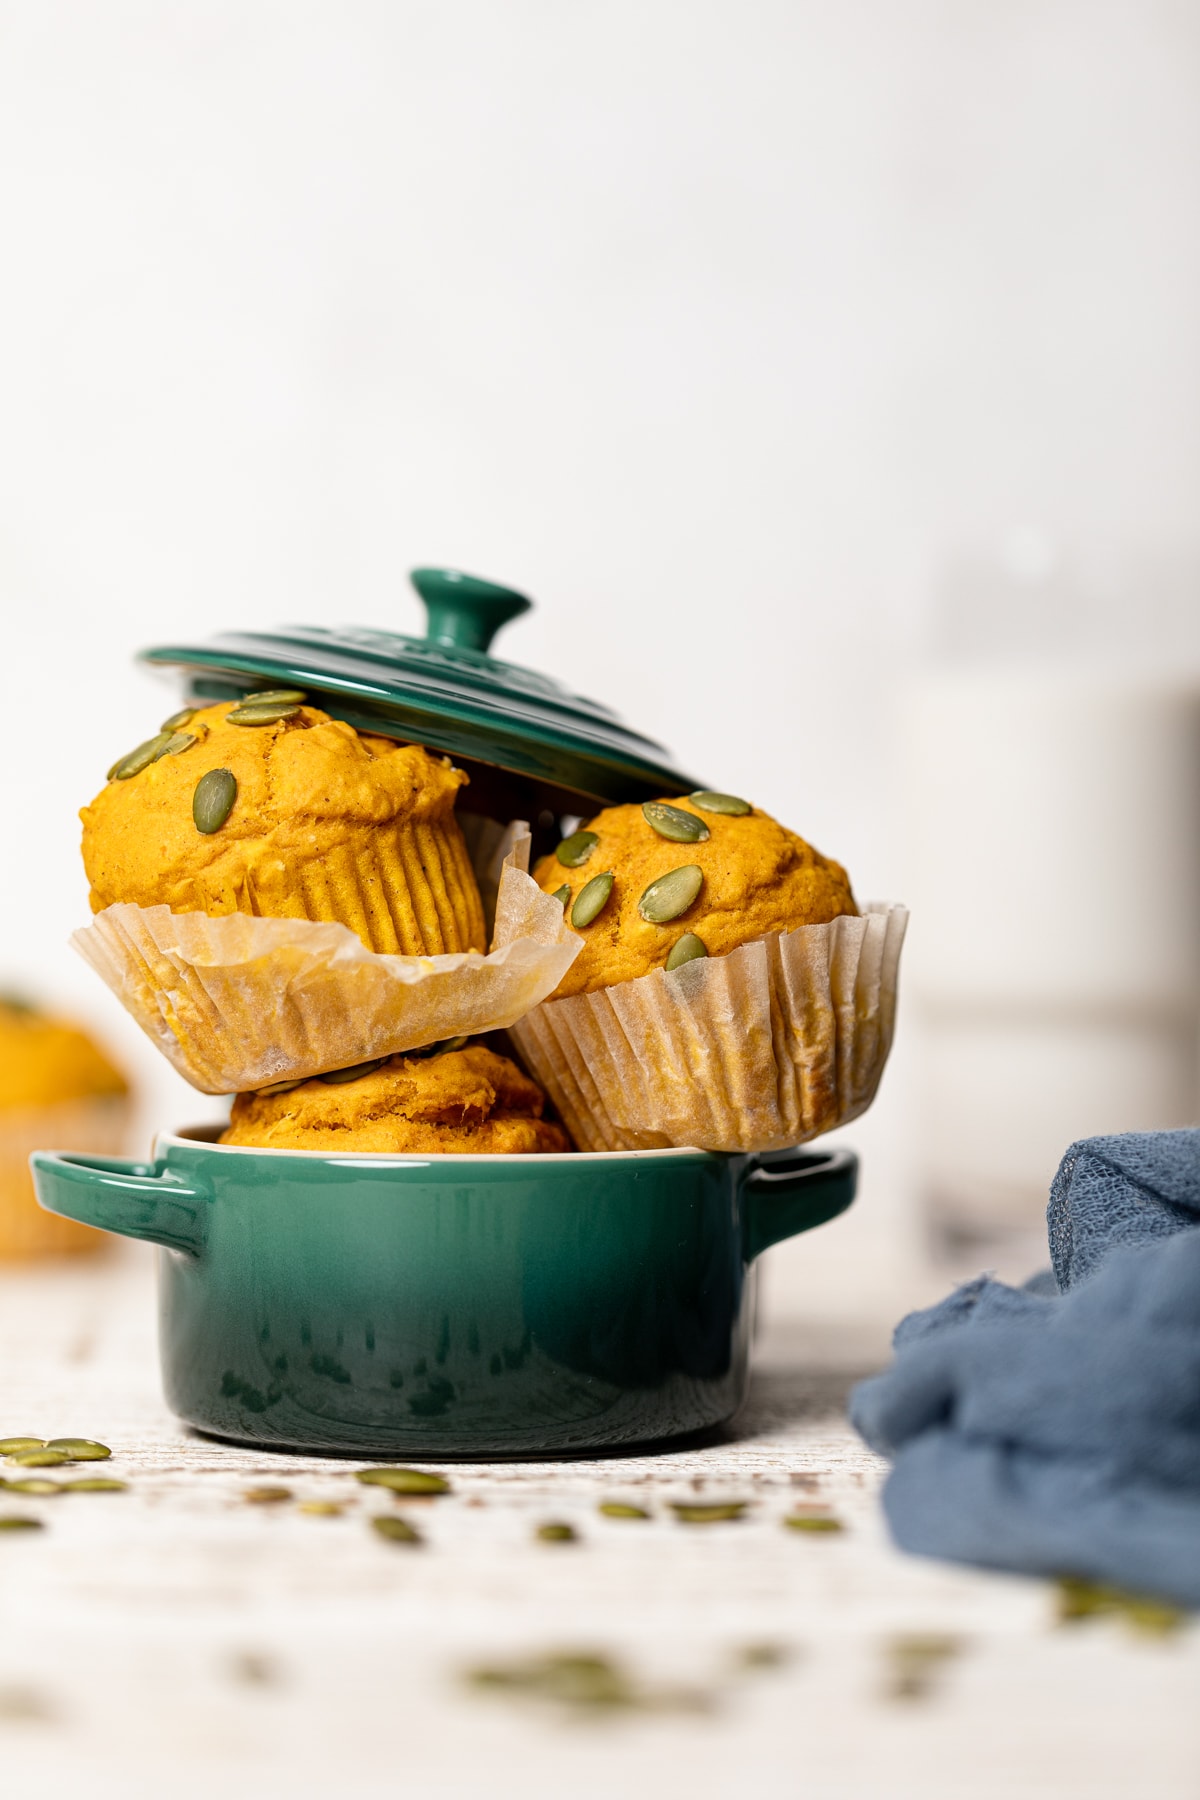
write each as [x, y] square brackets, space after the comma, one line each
[688, 948]
[574, 851]
[178, 720]
[672, 822]
[266, 1496]
[729, 804]
[80, 1449]
[322, 1509]
[562, 894]
[405, 1481]
[671, 894]
[260, 715]
[95, 1484]
[813, 1521]
[555, 1532]
[9, 1445]
[213, 800]
[37, 1459]
[621, 1509]
[395, 1529]
[16, 1522]
[42, 1487]
[712, 1512]
[592, 899]
[336, 1077]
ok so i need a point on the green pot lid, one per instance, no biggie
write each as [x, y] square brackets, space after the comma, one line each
[445, 691]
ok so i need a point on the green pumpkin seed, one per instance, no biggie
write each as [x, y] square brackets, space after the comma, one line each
[267, 1496]
[671, 894]
[9, 1445]
[81, 1449]
[280, 1087]
[562, 894]
[439, 1049]
[396, 1530]
[179, 719]
[592, 900]
[621, 1509]
[274, 697]
[405, 1481]
[38, 1485]
[337, 1077]
[213, 800]
[37, 1459]
[720, 803]
[322, 1509]
[671, 822]
[556, 1533]
[95, 1484]
[20, 1524]
[707, 1513]
[178, 742]
[687, 949]
[574, 851]
[807, 1521]
[260, 715]
[141, 758]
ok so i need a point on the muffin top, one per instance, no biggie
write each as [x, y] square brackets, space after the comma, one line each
[466, 1101]
[689, 878]
[302, 786]
[44, 1060]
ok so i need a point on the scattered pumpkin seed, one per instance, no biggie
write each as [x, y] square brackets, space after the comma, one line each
[562, 894]
[621, 1509]
[260, 715]
[405, 1481]
[713, 1512]
[213, 800]
[81, 1449]
[671, 894]
[915, 1660]
[280, 1087]
[336, 1077]
[688, 948]
[141, 758]
[1144, 1613]
[574, 851]
[592, 900]
[274, 697]
[322, 1509]
[813, 1521]
[555, 1532]
[95, 1484]
[763, 1656]
[38, 1459]
[179, 719]
[266, 1496]
[395, 1529]
[15, 1522]
[9, 1446]
[672, 822]
[39, 1485]
[720, 803]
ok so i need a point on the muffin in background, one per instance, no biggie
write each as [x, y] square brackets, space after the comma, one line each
[466, 1100]
[271, 808]
[58, 1091]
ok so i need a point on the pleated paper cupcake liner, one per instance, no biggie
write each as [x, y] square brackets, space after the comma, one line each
[237, 1003]
[97, 1126]
[764, 1048]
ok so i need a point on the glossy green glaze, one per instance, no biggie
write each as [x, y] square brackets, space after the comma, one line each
[442, 1307]
[446, 691]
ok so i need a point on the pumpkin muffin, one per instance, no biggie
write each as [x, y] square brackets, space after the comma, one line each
[653, 886]
[57, 1090]
[269, 807]
[465, 1101]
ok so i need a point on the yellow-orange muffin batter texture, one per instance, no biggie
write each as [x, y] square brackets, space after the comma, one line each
[758, 877]
[327, 824]
[466, 1101]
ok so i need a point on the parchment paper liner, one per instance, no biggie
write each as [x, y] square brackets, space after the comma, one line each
[761, 1049]
[237, 1003]
[97, 1123]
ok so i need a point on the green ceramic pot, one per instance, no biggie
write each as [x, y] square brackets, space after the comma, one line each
[452, 1306]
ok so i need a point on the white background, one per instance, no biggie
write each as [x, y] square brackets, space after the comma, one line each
[724, 330]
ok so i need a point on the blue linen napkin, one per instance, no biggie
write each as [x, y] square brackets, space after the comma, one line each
[1055, 1429]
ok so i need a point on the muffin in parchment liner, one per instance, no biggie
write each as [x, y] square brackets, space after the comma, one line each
[97, 1125]
[238, 1003]
[760, 1049]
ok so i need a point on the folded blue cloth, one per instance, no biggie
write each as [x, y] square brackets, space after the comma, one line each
[1058, 1432]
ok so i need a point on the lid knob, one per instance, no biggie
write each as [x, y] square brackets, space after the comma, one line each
[465, 612]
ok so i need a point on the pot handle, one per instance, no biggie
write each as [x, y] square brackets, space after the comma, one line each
[129, 1198]
[793, 1190]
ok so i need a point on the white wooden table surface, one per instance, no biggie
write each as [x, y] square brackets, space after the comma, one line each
[176, 1640]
